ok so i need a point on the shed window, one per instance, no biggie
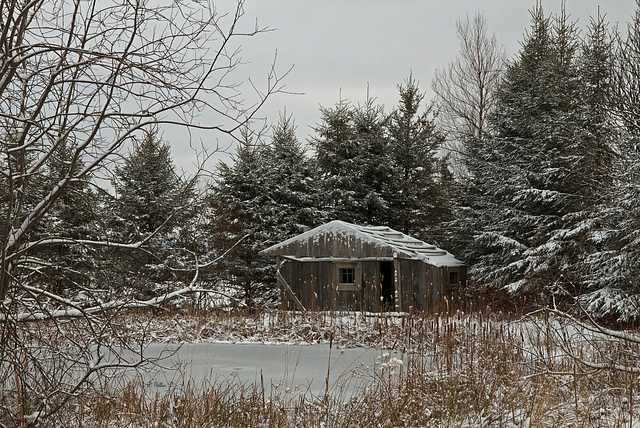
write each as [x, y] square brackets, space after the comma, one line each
[347, 275]
[453, 277]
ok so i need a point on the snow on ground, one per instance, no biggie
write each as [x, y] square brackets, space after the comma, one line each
[455, 370]
[340, 329]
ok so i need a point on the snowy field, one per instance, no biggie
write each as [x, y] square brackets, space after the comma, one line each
[285, 369]
[455, 370]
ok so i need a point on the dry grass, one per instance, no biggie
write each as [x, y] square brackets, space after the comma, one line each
[458, 371]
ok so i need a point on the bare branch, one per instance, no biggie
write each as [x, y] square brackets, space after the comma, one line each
[79, 82]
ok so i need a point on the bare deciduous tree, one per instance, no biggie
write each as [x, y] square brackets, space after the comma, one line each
[465, 90]
[89, 77]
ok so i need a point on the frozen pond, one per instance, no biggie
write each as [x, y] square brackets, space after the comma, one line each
[299, 369]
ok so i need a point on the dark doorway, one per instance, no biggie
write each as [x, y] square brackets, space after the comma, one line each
[387, 282]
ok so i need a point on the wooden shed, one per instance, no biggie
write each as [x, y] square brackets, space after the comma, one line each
[341, 265]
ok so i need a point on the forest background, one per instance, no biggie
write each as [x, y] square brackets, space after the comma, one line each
[525, 167]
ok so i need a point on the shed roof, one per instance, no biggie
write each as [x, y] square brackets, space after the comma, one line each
[382, 240]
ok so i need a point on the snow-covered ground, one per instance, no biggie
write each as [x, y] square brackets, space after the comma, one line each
[463, 370]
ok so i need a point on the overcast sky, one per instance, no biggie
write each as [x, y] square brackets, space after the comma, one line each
[341, 46]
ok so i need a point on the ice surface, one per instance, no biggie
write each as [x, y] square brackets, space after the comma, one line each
[301, 368]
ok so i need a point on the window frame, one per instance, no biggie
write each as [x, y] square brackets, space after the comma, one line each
[347, 273]
[356, 285]
[453, 274]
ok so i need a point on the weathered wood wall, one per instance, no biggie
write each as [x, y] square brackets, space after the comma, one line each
[338, 245]
[314, 285]
[419, 285]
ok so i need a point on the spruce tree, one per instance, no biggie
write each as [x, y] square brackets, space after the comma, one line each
[499, 225]
[150, 207]
[244, 217]
[528, 181]
[599, 157]
[148, 189]
[384, 169]
[613, 270]
[292, 183]
[76, 214]
[348, 147]
[373, 166]
[268, 194]
[419, 201]
[600, 131]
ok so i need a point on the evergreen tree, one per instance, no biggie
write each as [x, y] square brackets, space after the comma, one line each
[626, 88]
[497, 230]
[267, 195]
[372, 166]
[292, 181]
[243, 222]
[419, 201]
[614, 269]
[599, 161]
[71, 216]
[600, 129]
[74, 215]
[338, 158]
[151, 207]
[529, 183]
[383, 169]
[148, 189]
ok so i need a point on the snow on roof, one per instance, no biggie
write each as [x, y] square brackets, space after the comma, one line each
[403, 246]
